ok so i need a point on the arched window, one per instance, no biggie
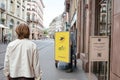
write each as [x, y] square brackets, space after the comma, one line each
[23, 13]
[33, 16]
[104, 8]
[104, 18]
[18, 22]
[11, 23]
[28, 16]
[12, 6]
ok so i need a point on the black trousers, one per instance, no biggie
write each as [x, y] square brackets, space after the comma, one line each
[71, 58]
[21, 78]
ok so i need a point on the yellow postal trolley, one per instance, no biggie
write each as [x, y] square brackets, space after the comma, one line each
[62, 48]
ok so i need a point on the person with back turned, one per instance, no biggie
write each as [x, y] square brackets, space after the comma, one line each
[22, 58]
[72, 50]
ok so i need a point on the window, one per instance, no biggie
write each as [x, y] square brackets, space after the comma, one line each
[28, 7]
[18, 22]
[33, 26]
[19, 1]
[18, 11]
[23, 13]
[29, 0]
[103, 18]
[2, 18]
[11, 6]
[28, 16]
[11, 23]
[33, 9]
[33, 16]
[24, 2]
[104, 8]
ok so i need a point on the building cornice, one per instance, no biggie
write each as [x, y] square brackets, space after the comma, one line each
[42, 4]
[16, 17]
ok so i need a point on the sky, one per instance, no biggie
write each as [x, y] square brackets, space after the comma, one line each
[53, 8]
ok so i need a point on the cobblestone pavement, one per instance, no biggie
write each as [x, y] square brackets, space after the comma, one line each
[2, 54]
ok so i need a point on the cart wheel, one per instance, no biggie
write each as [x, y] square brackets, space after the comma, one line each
[56, 65]
[75, 63]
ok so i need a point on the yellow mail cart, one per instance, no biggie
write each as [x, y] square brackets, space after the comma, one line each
[62, 47]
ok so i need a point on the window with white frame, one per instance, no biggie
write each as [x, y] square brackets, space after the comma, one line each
[23, 15]
[18, 11]
[11, 6]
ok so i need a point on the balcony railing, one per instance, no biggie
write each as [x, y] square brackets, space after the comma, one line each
[32, 20]
[28, 19]
[18, 1]
[28, 9]
[35, 21]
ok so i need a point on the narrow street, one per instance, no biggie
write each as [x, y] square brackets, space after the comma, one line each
[46, 50]
[88, 29]
[49, 71]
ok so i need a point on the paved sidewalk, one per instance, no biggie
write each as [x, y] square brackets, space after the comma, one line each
[79, 65]
[2, 55]
[3, 47]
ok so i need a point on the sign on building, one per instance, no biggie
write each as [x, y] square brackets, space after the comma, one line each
[62, 46]
[99, 52]
[99, 48]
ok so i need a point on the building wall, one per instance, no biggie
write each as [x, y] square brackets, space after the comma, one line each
[81, 26]
[36, 24]
[73, 6]
[78, 27]
[0, 35]
[115, 45]
[90, 30]
[15, 14]
[73, 19]
[86, 22]
[2, 17]
[56, 25]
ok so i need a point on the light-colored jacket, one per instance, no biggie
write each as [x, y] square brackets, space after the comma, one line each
[22, 59]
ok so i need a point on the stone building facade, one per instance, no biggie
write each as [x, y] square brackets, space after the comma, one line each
[96, 18]
[35, 18]
[13, 14]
